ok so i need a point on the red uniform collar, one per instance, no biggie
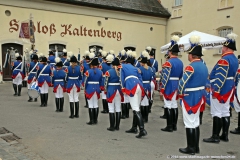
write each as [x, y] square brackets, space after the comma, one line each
[195, 60]
[173, 57]
[227, 53]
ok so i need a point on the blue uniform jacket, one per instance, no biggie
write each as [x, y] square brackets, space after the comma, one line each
[51, 61]
[195, 75]
[16, 68]
[147, 76]
[154, 63]
[104, 67]
[112, 85]
[130, 77]
[93, 82]
[58, 79]
[172, 72]
[45, 75]
[222, 77]
[66, 63]
[32, 74]
[73, 77]
[84, 67]
[137, 64]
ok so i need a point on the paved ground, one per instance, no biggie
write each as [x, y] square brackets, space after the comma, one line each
[48, 135]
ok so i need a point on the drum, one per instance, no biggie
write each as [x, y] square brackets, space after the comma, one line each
[34, 90]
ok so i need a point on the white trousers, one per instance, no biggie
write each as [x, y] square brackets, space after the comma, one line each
[18, 79]
[236, 104]
[220, 109]
[172, 103]
[125, 99]
[73, 95]
[115, 106]
[145, 101]
[104, 96]
[59, 93]
[136, 99]
[44, 88]
[191, 120]
[152, 89]
[93, 102]
[29, 85]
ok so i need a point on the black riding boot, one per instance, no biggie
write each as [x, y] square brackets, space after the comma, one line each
[128, 106]
[30, 99]
[35, 99]
[42, 99]
[118, 118]
[57, 104]
[225, 128]
[230, 111]
[86, 106]
[150, 107]
[142, 132]
[174, 118]
[146, 111]
[197, 135]
[61, 104]
[169, 127]
[104, 106]
[90, 111]
[95, 115]
[71, 110]
[19, 90]
[190, 132]
[15, 89]
[237, 130]
[134, 125]
[76, 109]
[112, 122]
[142, 109]
[45, 99]
[200, 117]
[123, 105]
[215, 132]
[164, 116]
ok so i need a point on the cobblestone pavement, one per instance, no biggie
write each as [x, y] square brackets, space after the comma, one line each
[48, 135]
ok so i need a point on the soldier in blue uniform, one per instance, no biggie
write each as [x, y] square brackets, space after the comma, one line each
[32, 72]
[51, 59]
[105, 66]
[17, 75]
[171, 74]
[44, 74]
[113, 92]
[192, 93]
[73, 86]
[92, 83]
[58, 81]
[153, 62]
[64, 59]
[99, 54]
[84, 67]
[147, 75]
[131, 83]
[153, 83]
[223, 86]
[236, 99]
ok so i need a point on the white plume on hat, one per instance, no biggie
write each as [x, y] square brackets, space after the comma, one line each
[145, 54]
[232, 36]
[64, 50]
[57, 59]
[175, 38]
[70, 54]
[123, 52]
[86, 53]
[110, 58]
[92, 50]
[134, 54]
[31, 52]
[111, 51]
[149, 48]
[104, 53]
[100, 50]
[194, 39]
[129, 53]
[16, 54]
[40, 54]
[91, 55]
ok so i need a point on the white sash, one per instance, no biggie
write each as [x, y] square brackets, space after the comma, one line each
[17, 66]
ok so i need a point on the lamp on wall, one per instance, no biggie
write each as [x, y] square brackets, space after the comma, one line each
[151, 28]
[99, 23]
[7, 13]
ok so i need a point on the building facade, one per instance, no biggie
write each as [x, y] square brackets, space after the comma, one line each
[78, 25]
[216, 17]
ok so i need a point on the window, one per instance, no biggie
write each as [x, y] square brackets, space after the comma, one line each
[129, 48]
[177, 2]
[177, 13]
[225, 3]
[58, 47]
[223, 32]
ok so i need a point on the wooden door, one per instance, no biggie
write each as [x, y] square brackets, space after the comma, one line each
[7, 72]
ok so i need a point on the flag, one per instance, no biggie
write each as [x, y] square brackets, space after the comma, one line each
[31, 31]
[24, 30]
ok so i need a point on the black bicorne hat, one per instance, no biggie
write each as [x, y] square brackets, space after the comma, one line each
[34, 57]
[174, 46]
[94, 61]
[51, 52]
[44, 59]
[196, 50]
[116, 62]
[73, 59]
[59, 64]
[230, 42]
